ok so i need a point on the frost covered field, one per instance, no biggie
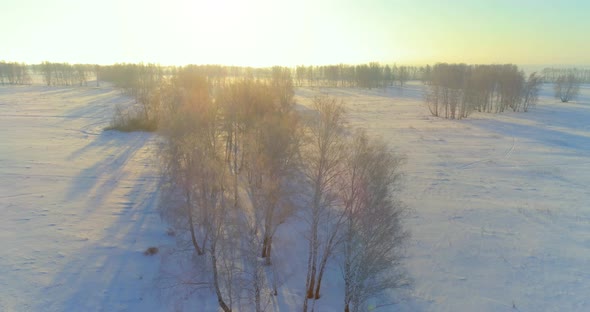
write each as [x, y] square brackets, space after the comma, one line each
[500, 204]
[77, 205]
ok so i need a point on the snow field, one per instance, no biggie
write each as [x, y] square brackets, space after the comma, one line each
[499, 222]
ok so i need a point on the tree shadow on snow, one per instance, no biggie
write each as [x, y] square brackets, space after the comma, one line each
[110, 272]
[100, 179]
[563, 126]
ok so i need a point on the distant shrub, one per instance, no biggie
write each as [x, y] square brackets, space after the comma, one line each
[567, 87]
[151, 251]
[132, 120]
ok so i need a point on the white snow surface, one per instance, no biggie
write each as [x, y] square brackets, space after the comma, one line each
[77, 205]
[500, 206]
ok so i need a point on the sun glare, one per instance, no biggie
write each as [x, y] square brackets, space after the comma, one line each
[265, 33]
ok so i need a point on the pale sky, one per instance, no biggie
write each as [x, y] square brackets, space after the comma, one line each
[273, 32]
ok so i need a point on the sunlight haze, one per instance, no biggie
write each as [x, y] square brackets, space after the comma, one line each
[295, 155]
[264, 32]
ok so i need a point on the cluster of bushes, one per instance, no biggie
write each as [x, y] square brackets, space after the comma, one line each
[239, 163]
[137, 80]
[145, 82]
[566, 87]
[456, 90]
[14, 73]
[142, 82]
[372, 75]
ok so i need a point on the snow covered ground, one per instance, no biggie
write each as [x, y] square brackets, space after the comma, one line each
[77, 205]
[500, 205]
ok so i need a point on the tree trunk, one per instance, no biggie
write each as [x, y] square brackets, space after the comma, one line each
[314, 239]
[319, 284]
[321, 274]
[308, 278]
[220, 300]
[257, 289]
[235, 160]
[267, 242]
[310, 290]
[192, 226]
[268, 249]
[96, 76]
[264, 242]
[325, 257]
[275, 286]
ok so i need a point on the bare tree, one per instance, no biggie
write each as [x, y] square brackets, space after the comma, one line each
[97, 74]
[273, 165]
[300, 74]
[189, 129]
[81, 74]
[324, 155]
[282, 87]
[373, 231]
[238, 101]
[194, 161]
[531, 91]
[47, 70]
[387, 76]
[566, 87]
[403, 75]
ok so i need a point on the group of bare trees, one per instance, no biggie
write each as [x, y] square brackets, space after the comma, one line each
[144, 81]
[530, 93]
[219, 75]
[566, 81]
[230, 156]
[581, 75]
[65, 74]
[14, 73]
[138, 80]
[371, 75]
[352, 211]
[240, 163]
[456, 90]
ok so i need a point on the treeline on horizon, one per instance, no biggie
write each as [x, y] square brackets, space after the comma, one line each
[551, 74]
[370, 75]
[452, 90]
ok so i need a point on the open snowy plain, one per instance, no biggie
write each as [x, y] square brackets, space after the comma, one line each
[500, 205]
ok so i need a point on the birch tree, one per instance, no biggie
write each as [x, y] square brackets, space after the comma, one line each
[324, 154]
[373, 232]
